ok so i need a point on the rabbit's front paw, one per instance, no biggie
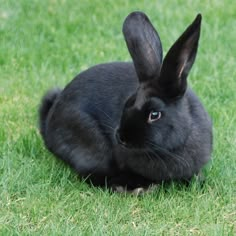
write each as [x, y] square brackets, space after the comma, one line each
[136, 191]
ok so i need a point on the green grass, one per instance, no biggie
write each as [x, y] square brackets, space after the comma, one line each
[44, 44]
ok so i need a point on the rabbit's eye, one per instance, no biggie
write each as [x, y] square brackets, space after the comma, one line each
[153, 116]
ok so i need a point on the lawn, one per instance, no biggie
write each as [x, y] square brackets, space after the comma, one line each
[44, 44]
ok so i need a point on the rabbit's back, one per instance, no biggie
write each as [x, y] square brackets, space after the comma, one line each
[102, 90]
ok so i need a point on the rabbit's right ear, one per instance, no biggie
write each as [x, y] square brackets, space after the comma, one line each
[179, 60]
[144, 45]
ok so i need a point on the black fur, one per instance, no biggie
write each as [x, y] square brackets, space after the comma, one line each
[100, 123]
[47, 103]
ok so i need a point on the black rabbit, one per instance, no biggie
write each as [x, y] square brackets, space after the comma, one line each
[132, 124]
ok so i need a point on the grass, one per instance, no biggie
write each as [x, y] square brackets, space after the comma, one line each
[44, 44]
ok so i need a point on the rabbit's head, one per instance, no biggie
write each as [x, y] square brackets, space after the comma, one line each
[158, 113]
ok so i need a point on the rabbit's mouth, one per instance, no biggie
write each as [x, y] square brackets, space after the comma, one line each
[121, 141]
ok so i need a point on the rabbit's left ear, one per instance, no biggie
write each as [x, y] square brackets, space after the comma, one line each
[144, 45]
[179, 60]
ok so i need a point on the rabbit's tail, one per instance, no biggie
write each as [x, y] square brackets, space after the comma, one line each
[47, 103]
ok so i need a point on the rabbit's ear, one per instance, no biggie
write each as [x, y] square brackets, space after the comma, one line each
[144, 45]
[179, 60]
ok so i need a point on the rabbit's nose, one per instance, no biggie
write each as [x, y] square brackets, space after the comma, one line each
[119, 139]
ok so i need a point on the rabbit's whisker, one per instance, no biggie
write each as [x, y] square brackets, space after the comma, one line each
[168, 156]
